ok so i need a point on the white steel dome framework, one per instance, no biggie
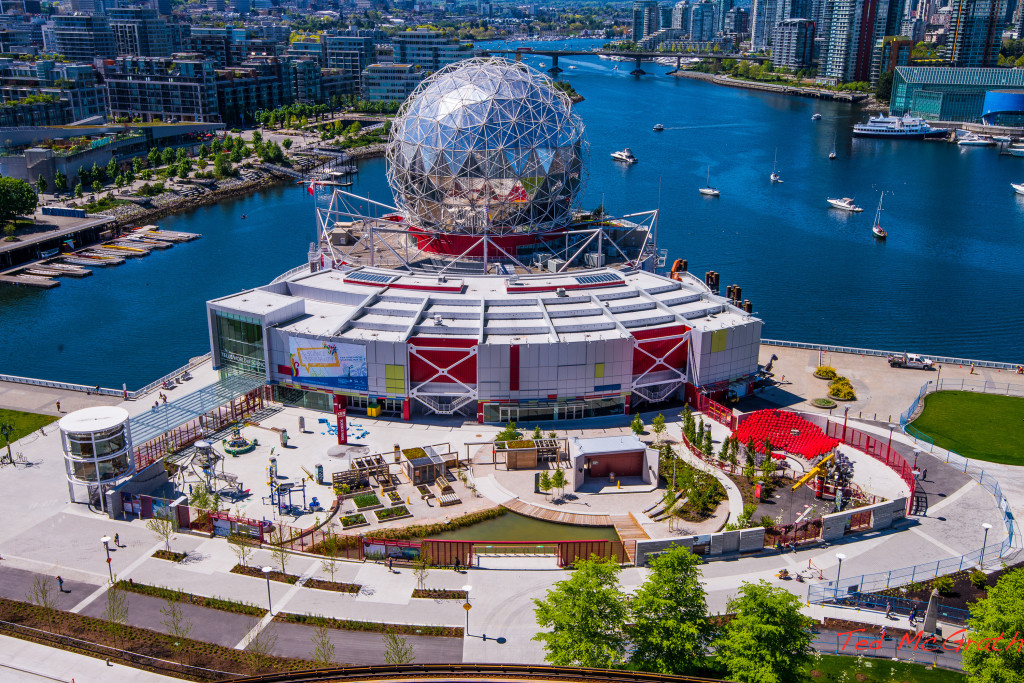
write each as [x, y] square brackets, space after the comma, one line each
[487, 145]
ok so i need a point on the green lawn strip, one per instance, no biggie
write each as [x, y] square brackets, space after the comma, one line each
[199, 600]
[871, 670]
[371, 626]
[257, 572]
[979, 426]
[24, 423]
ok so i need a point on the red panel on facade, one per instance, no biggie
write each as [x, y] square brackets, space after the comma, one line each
[659, 342]
[513, 368]
[452, 355]
[284, 369]
[619, 464]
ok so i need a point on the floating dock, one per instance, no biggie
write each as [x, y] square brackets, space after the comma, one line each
[29, 281]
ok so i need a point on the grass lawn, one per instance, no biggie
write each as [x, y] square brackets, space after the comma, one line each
[24, 423]
[831, 667]
[979, 426]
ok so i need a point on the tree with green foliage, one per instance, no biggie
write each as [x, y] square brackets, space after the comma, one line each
[137, 165]
[153, 156]
[78, 190]
[537, 433]
[708, 447]
[287, 143]
[586, 615]
[112, 170]
[999, 614]
[543, 482]
[670, 633]
[658, 427]
[769, 639]
[558, 480]
[236, 155]
[97, 173]
[60, 182]
[120, 180]
[167, 156]
[637, 425]
[257, 137]
[16, 199]
[509, 433]
[222, 166]
[698, 440]
[41, 184]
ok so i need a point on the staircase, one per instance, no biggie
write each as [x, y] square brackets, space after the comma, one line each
[919, 506]
[657, 392]
[629, 531]
[444, 404]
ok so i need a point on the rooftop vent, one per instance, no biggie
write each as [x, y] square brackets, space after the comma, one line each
[560, 292]
[437, 319]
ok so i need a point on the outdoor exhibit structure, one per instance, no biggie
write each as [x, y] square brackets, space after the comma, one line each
[485, 290]
[97, 450]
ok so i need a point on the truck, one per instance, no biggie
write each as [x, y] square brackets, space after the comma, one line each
[911, 360]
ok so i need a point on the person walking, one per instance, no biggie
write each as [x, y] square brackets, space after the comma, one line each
[924, 475]
[888, 609]
[913, 615]
[58, 406]
[457, 563]
[390, 562]
[117, 541]
[60, 583]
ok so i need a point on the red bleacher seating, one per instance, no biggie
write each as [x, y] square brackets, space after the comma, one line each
[777, 427]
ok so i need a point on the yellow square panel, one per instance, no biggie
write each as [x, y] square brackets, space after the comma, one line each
[598, 370]
[718, 340]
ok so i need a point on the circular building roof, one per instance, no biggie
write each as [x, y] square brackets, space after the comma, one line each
[487, 145]
[88, 420]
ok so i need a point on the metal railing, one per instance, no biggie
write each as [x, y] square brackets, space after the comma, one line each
[877, 352]
[874, 601]
[198, 360]
[287, 274]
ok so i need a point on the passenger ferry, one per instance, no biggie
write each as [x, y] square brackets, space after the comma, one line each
[906, 127]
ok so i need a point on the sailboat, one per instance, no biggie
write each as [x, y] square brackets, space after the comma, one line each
[776, 178]
[832, 154]
[708, 191]
[877, 230]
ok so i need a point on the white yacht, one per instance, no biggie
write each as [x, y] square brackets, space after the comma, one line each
[625, 156]
[905, 127]
[973, 140]
[1018, 187]
[816, 117]
[832, 154]
[707, 190]
[844, 203]
[776, 178]
[658, 127]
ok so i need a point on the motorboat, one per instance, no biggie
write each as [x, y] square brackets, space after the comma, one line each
[625, 156]
[1002, 138]
[707, 190]
[1015, 150]
[973, 140]
[876, 229]
[832, 154]
[776, 178]
[1018, 187]
[844, 203]
[658, 127]
[816, 117]
[901, 127]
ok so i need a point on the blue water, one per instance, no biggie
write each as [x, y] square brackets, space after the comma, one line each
[949, 280]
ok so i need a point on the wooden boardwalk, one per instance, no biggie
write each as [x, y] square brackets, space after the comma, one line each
[518, 506]
[629, 531]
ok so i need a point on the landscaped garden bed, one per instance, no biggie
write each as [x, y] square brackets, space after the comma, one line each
[366, 501]
[371, 626]
[425, 491]
[200, 600]
[169, 555]
[440, 594]
[394, 498]
[336, 586]
[353, 521]
[388, 514]
[257, 572]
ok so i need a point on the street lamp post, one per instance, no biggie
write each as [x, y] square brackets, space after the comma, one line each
[888, 451]
[467, 606]
[266, 573]
[981, 560]
[106, 547]
[846, 415]
[840, 557]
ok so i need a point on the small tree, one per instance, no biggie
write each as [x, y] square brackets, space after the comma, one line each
[421, 570]
[397, 650]
[709, 445]
[637, 425]
[16, 199]
[78, 190]
[41, 184]
[537, 433]
[277, 549]
[323, 648]
[60, 182]
[658, 427]
[177, 624]
[287, 143]
[42, 595]
[544, 482]
[241, 545]
[552, 435]
[558, 480]
[261, 645]
[509, 433]
[96, 186]
[163, 525]
[115, 612]
[329, 548]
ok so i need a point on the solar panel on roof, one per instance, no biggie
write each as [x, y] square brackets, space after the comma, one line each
[598, 279]
[371, 278]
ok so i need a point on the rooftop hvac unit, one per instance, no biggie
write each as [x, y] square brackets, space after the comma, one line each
[594, 260]
[560, 292]
[555, 264]
[437, 319]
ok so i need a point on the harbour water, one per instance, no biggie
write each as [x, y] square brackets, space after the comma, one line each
[949, 279]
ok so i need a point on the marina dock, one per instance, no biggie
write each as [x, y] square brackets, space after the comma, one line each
[134, 244]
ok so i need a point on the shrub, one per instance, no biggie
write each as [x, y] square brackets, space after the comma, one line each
[353, 520]
[979, 579]
[944, 584]
[364, 500]
[826, 372]
[521, 443]
[388, 513]
[841, 388]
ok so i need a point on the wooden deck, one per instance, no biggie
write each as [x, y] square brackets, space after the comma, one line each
[527, 510]
[629, 531]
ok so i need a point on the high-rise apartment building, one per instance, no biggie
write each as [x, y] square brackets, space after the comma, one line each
[665, 15]
[181, 87]
[389, 82]
[976, 32]
[793, 43]
[702, 21]
[645, 19]
[82, 37]
[737, 21]
[855, 27]
[722, 8]
[140, 32]
[890, 52]
[430, 50]
[681, 15]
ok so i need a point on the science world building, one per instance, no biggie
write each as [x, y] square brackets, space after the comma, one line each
[485, 290]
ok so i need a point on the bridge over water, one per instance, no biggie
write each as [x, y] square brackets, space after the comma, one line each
[637, 57]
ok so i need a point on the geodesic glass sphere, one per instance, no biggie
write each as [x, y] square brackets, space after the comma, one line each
[486, 145]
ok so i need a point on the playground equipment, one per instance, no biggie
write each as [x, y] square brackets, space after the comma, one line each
[206, 458]
[814, 471]
[237, 444]
[281, 492]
